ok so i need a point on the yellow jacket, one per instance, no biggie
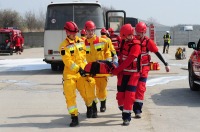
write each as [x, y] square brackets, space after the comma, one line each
[112, 49]
[74, 56]
[97, 49]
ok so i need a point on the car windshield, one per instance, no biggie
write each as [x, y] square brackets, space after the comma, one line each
[3, 37]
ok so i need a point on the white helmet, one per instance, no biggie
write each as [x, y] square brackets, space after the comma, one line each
[167, 31]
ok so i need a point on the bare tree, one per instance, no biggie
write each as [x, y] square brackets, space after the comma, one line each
[30, 20]
[10, 18]
[40, 21]
[152, 20]
[105, 9]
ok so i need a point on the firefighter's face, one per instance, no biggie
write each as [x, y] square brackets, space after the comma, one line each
[90, 33]
[71, 36]
[140, 35]
[129, 37]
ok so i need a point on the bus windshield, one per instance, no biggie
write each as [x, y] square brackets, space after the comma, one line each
[58, 14]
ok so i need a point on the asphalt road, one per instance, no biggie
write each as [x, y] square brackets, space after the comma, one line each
[33, 101]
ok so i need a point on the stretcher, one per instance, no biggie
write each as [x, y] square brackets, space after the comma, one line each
[100, 75]
[100, 68]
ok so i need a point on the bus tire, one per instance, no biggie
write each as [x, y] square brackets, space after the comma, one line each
[54, 67]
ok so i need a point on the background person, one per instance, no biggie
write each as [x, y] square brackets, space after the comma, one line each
[116, 40]
[83, 34]
[167, 39]
[104, 34]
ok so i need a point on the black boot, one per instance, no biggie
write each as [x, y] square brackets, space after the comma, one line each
[137, 108]
[103, 106]
[89, 112]
[74, 121]
[94, 110]
[121, 108]
[126, 118]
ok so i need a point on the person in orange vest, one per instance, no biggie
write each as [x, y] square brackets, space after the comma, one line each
[73, 55]
[83, 34]
[97, 48]
[128, 72]
[116, 40]
[146, 46]
[104, 34]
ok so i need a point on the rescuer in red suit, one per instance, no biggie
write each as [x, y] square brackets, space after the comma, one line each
[128, 72]
[116, 40]
[146, 46]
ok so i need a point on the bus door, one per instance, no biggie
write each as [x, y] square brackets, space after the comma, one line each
[115, 19]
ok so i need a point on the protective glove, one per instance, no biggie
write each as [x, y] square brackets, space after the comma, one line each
[82, 72]
[167, 68]
[115, 60]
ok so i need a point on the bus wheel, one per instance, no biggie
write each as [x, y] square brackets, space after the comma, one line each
[54, 67]
[11, 52]
[61, 67]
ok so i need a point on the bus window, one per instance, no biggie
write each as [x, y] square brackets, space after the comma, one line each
[116, 22]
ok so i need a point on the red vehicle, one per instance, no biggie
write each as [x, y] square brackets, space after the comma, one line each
[194, 66]
[7, 40]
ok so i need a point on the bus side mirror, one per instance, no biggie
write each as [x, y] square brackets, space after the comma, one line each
[192, 45]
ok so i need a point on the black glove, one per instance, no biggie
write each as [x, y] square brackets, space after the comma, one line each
[82, 72]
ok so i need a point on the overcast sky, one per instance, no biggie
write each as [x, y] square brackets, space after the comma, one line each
[168, 12]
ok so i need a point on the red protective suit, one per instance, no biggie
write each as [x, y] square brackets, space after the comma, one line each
[116, 40]
[128, 74]
[146, 46]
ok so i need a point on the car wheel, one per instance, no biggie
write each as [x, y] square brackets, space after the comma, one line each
[192, 78]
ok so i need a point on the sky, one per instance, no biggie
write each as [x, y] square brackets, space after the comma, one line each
[38, 64]
[169, 13]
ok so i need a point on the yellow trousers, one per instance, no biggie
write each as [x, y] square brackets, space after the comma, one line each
[101, 90]
[86, 88]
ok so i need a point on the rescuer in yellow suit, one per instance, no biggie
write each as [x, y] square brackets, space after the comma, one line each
[104, 34]
[73, 54]
[97, 48]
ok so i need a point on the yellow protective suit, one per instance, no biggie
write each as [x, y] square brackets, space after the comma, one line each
[112, 49]
[73, 53]
[98, 49]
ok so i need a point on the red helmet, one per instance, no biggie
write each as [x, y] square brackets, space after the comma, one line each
[71, 27]
[83, 32]
[126, 30]
[141, 27]
[110, 30]
[89, 25]
[103, 30]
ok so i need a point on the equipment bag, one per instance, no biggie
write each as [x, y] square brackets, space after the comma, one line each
[154, 66]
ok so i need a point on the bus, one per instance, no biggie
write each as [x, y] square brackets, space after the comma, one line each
[56, 17]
